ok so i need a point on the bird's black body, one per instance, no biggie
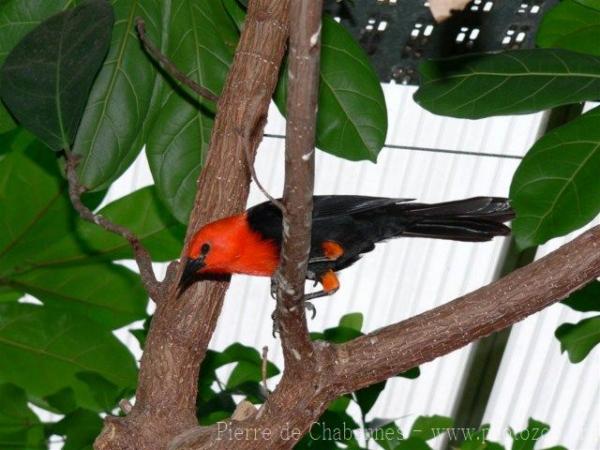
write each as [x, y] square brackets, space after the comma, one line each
[357, 223]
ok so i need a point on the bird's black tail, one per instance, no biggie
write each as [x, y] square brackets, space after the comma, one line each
[474, 219]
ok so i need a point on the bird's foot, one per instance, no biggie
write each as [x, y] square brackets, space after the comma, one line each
[308, 306]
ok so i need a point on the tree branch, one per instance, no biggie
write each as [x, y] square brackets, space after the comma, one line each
[168, 65]
[303, 88]
[183, 325]
[141, 255]
[396, 348]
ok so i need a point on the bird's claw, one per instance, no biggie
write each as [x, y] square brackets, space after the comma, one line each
[275, 316]
[310, 307]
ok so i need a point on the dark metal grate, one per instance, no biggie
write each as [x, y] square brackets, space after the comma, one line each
[397, 34]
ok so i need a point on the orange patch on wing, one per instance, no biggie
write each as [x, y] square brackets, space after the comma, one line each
[330, 282]
[332, 250]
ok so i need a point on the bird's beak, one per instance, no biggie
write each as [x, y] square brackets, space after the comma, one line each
[192, 266]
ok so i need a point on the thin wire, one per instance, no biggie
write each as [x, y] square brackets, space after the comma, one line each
[428, 149]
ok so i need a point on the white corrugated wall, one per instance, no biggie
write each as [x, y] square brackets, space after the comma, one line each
[456, 159]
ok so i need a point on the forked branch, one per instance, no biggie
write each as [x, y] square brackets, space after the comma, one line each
[141, 255]
[303, 88]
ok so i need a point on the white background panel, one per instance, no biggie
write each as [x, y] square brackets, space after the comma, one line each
[407, 276]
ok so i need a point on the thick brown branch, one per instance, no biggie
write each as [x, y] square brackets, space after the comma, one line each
[399, 347]
[303, 87]
[141, 255]
[169, 66]
[182, 326]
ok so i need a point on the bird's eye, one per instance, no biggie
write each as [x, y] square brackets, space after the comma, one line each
[204, 249]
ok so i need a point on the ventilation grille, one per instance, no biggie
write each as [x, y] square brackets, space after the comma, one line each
[397, 34]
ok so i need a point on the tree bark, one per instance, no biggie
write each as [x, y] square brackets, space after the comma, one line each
[302, 96]
[182, 326]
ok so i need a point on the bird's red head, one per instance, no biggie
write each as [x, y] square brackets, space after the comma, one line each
[229, 246]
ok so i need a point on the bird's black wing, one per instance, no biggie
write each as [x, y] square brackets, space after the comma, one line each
[328, 210]
[334, 205]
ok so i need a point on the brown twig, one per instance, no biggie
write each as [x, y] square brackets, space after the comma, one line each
[254, 176]
[141, 255]
[169, 66]
[263, 368]
[303, 87]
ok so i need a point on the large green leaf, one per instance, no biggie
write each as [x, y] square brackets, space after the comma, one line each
[429, 427]
[352, 116]
[579, 339]
[44, 348]
[20, 428]
[9, 294]
[594, 4]
[17, 18]
[35, 208]
[526, 439]
[109, 135]
[477, 440]
[109, 294]
[201, 43]
[510, 82]
[46, 78]
[586, 299]
[572, 26]
[80, 428]
[555, 190]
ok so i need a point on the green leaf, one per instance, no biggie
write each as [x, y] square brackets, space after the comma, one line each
[510, 82]
[594, 4]
[17, 18]
[9, 295]
[526, 439]
[19, 426]
[389, 436]
[106, 394]
[367, 397]
[248, 367]
[34, 204]
[352, 116]
[334, 426]
[43, 349]
[236, 11]
[352, 320]
[411, 374]
[429, 427]
[81, 427]
[46, 78]
[412, 443]
[340, 404]
[555, 190]
[477, 440]
[579, 339]
[111, 131]
[109, 294]
[62, 401]
[202, 40]
[142, 333]
[7, 123]
[586, 299]
[572, 26]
